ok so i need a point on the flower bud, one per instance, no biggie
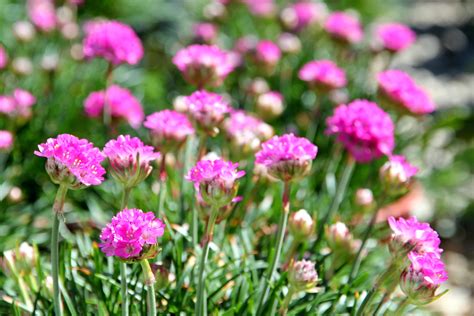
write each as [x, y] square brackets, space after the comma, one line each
[49, 63]
[289, 43]
[70, 30]
[339, 237]
[396, 175]
[257, 87]
[23, 31]
[267, 55]
[269, 105]
[301, 224]
[364, 199]
[302, 275]
[22, 66]
[6, 141]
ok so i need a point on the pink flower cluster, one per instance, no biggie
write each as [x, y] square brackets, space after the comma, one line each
[246, 130]
[220, 172]
[42, 14]
[206, 109]
[205, 32]
[3, 57]
[121, 103]
[430, 266]
[363, 128]
[303, 274]
[260, 7]
[6, 140]
[114, 41]
[324, 74]
[130, 233]
[267, 53]
[18, 104]
[203, 65]
[345, 27]
[78, 156]
[403, 92]
[303, 14]
[394, 37]
[168, 126]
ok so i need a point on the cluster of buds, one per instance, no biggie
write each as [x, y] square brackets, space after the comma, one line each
[396, 175]
[303, 276]
[301, 225]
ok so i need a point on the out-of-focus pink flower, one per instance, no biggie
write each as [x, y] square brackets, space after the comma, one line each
[270, 104]
[397, 170]
[206, 109]
[344, 27]
[7, 104]
[287, 157]
[72, 161]
[130, 159]
[132, 234]
[400, 91]
[3, 57]
[260, 7]
[6, 140]
[168, 129]
[303, 14]
[112, 40]
[363, 128]
[267, 53]
[323, 74]
[204, 65]
[303, 275]
[19, 104]
[394, 37]
[289, 43]
[42, 14]
[121, 102]
[205, 32]
[245, 44]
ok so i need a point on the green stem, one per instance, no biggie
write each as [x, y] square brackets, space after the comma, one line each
[149, 280]
[279, 245]
[287, 301]
[123, 265]
[205, 253]
[336, 202]
[401, 308]
[108, 82]
[58, 209]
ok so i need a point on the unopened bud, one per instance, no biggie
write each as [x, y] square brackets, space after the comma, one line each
[49, 63]
[396, 175]
[338, 236]
[302, 275]
[364, 199]
[289, 43]
[301, 224]
[270, 105]
[257, 87]
[22, 66]
[24, 31]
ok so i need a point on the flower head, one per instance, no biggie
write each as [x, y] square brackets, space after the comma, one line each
[6, 140]
[323, 74]
[72, 161]
[339, 237]
[207, 110]
[344, 27]
[132, 235]
[114, 41]
[121, 102]
[400, 91]
[204, 65]
[205, 32]
[287, 157]
[169, 129]
[17, 105]
[42, 14]
[301, 224]
[396, 174]
[270, 104]
[215, 180]
[3, 57]
[394, 37]
[303, 275]
[363, 128]
[267, 53]
[303, 14]
[129, 159]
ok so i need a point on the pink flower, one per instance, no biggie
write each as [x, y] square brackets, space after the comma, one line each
[121, 102]
[344, 27]
[394, 37]
[3, 57]
[246, 131]
[206, 109]
[363, 128]
[399, 166]
[205, 32]
[132, 234]
[260, 7]
[7, 104]
[270, 104]
[168, 128]
[129, 159]
[114, 41]
[303, 275]
[287, 157]
[204, 65]
[267, 53]
[72, 160]
[403, 93]
[19, 104]
[413, 235]
[6, 140]
[303, 14]
[42, 14]
[324, 74]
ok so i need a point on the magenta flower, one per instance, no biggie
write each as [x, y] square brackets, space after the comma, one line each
[303, 14]
[323, 74]
[3, 57]
[129, 159]
[6, 140]
[204, 65]
[215, 180]
[267, 53]
[205, 32]
[206, 109]
[42, 14]
[19, 104]
[394, 37]
[344, 27]
[121, 102]
[399, 90]
[7, 104]
[363, 128]
[168, 129]
[112, 40]
[411, 235]
[132, 235]
[72, 161]
[287, 157]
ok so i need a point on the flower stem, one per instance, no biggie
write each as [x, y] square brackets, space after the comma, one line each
[58, 209]
[205, 253]
[336, 202]
[108, 82]
[149, 280]
[402, 306]
[123, 266]
[287, 301]
[280, 236]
